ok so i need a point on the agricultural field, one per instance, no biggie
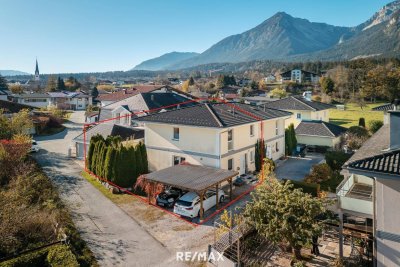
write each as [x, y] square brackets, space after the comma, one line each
[352, 113]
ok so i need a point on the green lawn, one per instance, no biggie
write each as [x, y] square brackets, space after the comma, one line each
[350, 116]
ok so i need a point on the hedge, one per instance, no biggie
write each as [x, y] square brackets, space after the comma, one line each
[311, 189]
[61, 256]
[33, 259]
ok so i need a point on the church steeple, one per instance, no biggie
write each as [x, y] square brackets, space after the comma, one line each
[37, 71]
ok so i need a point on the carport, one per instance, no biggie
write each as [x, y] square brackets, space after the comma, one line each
[193, 178]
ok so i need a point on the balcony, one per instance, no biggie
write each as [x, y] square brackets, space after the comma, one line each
[355, 194]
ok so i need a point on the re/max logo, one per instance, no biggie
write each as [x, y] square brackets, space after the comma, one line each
[199, 256]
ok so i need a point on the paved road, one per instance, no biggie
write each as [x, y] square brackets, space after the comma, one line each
[114, 237]
[297, 168]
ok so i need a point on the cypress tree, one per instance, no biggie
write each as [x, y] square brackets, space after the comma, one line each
[115, 165]
[94, 157]
[138, 159]
[145, 161]
[257, 155]
[108, 163]
[90, 153]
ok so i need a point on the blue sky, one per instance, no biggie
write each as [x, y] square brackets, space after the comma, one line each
[102, 35]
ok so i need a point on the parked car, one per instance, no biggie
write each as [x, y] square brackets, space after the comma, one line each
[35, 147]
[188, 205]
[168, 197]
[239, 181]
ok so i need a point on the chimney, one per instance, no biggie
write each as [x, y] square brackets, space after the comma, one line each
[394, 124]
[307, 95]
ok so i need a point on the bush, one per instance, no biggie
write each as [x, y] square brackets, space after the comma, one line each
[331, 184]
[336, 159]
[33, 259]
[61, 256]
[375, 125]
[308, 188]
[358, 131]
[361, 122]
[320, 172]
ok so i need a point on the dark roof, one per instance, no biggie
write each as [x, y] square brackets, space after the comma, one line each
[13, 107]
[298, 69]
[298, 103]
[216, 115]
[191, 177]
[32, 95]
[160, 100]
[106, 129]
[319, 128]
[374, 145]
[385, 107]
[386, 163]
[2, 92]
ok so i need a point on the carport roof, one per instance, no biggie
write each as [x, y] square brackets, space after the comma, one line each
[191, 177]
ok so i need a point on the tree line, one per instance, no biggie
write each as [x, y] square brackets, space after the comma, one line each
[121, 165]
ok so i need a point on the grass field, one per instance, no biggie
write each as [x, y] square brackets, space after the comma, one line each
[350, 116]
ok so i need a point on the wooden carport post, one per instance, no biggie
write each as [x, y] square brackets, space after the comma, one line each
[150, 191]
[216, 195]
[230, 189]
[201, 205]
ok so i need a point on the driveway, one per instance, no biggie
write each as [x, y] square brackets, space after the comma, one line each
[297, 168]
[114, 238]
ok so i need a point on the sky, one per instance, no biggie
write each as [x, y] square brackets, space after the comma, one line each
[105, 35]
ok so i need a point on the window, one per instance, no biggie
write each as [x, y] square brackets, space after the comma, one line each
[176, 133]
[127, 120]
[251, 130]
[251, 156]
[118, 115]
[299, 116]
[230, 164]
[276, 127]
[230, 140]
[277, 147]
[178, 160]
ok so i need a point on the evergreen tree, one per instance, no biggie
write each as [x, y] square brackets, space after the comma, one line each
[139, 161]
[60, 84]
[95, 154]
[132, 168]
[95, 92]
[3, 83]
[51, 84]
[191, 81]
[108, 163]
[89, 156]
[361, 122]
[115, 165]
[145, 161]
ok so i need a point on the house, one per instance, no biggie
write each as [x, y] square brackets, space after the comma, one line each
[62, 100]
[219, 135]
[303, 108]
[104, 129]
[387, 107]
[142, 103]
[370, 191]
[270, 78]
[230, 92]
[320, 134]
[299, 76]
[10, 108]
[107, 99]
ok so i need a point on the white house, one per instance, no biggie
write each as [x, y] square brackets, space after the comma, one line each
[213, 134]
[40, 100]
[371, 190]
[299, 76]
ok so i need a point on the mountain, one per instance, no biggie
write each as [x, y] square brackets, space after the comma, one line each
[279, 36]
[164, 61]
[383, 15]
[12, 73]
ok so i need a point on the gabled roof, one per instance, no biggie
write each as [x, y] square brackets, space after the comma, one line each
[386, 163]
[2, 92]
[298, 103]
[106, 129]
[215, 115]
[13, 107]
[319, 128]
[385, 107]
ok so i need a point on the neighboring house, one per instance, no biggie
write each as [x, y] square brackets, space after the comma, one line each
[3, 95]
[62, 100]
[142, 103]
[104, 129]
[387, 107]
[303, 108]
[371, 190]
[230, 92]
[70, 100]
[270, 78]
[218, 135]
[320, 133]
[107, 99]
[92, 116]
[257, 100]
[299, 76]
[9, 108]
[40, 100]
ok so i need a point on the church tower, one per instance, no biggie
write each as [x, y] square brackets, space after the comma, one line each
[37, 78]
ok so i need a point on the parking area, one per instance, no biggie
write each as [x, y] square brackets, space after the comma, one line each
[296, 168]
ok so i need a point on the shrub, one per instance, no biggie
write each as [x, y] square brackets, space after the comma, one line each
[358, 131]
[308, 188]
[336, 159]
[33, 259]
[320, 172]
[375, 125]
[61, 256]
[361, 122]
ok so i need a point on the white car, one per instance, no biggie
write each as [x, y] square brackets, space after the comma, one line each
[188, 205]
[35, 147]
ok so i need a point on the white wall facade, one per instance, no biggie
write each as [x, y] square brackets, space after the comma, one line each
[209, 146]
[306, 115]
[36, 102]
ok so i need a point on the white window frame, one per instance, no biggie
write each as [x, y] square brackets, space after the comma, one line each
[276, 127]
[230, 142]
[298, 116]
[179, 158]
[118, 115]
[230, 160]
[251, 130]
[251, 156]
[176, 137]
